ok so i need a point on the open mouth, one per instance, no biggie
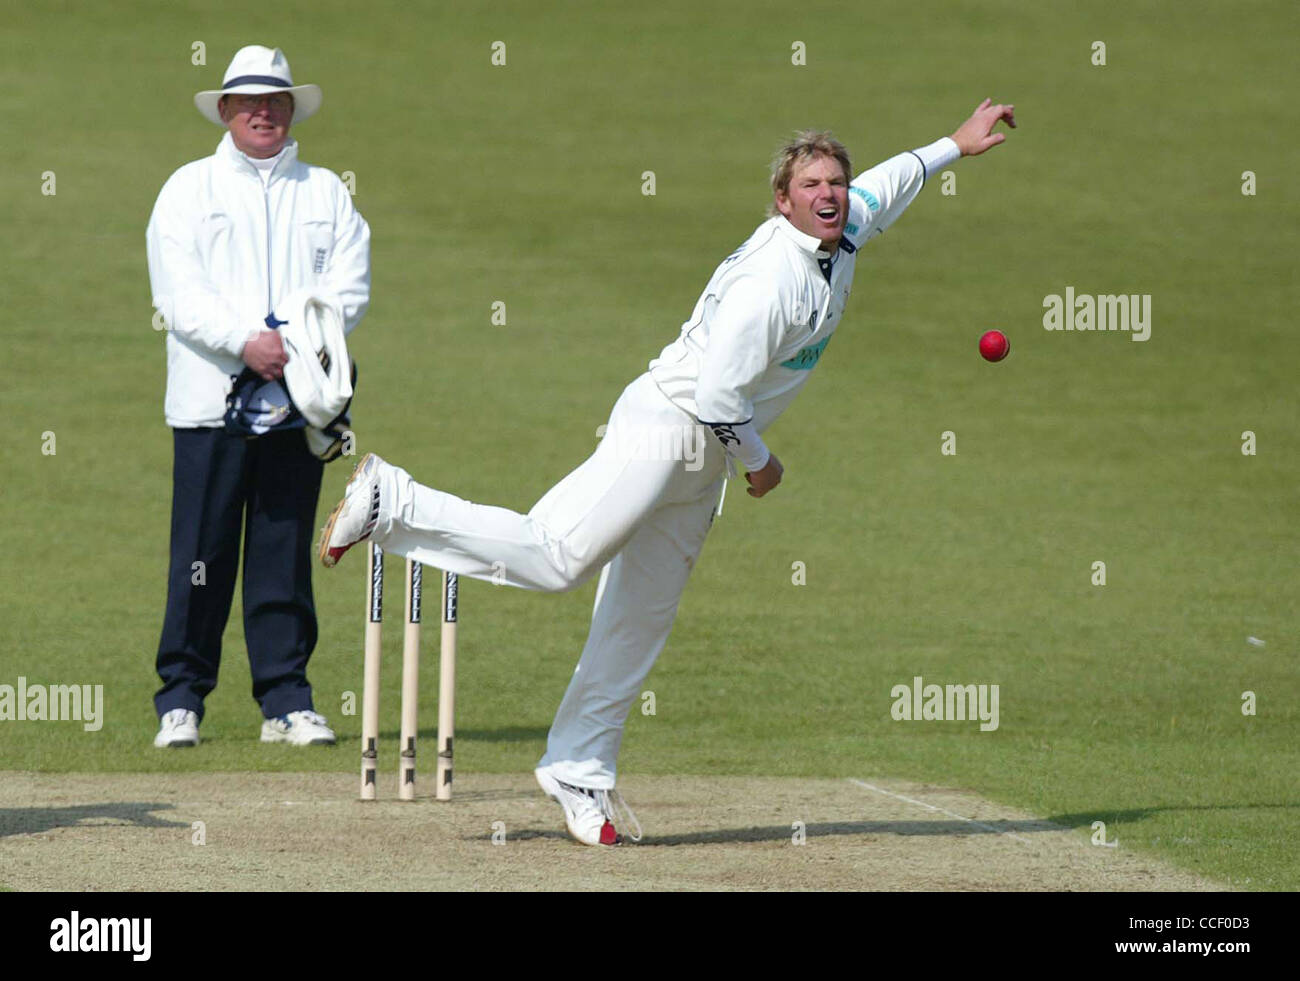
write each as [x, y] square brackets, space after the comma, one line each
[829, 214]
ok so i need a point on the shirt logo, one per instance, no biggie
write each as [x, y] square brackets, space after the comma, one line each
[866, 196]
[318, 266]
[808, 357]
[725, 433]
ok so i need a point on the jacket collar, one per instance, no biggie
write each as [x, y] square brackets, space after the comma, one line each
[806, 243]
[228, 152]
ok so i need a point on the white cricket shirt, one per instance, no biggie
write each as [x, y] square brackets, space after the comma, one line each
[770, 309]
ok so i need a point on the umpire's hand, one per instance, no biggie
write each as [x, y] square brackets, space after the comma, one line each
[265, 355]
[762, 481]
[976, 135]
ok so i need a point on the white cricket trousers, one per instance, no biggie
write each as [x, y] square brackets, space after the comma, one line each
[638, 509]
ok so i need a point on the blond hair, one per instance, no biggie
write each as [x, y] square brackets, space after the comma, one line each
[806, 145]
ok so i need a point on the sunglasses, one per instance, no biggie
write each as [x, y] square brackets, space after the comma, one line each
[251, 103]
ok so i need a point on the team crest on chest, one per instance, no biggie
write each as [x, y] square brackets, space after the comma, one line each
[808, 357]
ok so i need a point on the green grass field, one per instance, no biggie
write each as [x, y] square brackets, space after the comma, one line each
[1120, 703]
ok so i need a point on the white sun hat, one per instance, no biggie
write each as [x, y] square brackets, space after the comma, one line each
[253, 71]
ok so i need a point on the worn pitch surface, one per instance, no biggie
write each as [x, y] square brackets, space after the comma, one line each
[306, 831]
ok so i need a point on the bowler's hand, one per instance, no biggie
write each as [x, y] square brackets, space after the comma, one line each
[265, 355]
[976, 135]
[762, 481]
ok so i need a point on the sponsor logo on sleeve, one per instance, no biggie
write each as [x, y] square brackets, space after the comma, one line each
[866, 196]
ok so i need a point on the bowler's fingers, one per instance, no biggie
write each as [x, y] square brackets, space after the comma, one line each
[993, 113]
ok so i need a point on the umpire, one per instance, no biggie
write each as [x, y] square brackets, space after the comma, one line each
[232, 235]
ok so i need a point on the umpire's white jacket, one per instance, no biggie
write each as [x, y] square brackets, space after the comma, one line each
[224, 248]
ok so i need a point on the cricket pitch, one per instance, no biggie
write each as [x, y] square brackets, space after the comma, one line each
[307, 831]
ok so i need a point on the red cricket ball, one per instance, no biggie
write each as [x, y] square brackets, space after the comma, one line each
[994, 345]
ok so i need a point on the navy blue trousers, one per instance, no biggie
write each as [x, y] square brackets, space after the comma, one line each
[267, 487]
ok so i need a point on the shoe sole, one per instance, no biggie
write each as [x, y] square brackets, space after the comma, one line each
[326, 556]
[177, 744]
[289, 742]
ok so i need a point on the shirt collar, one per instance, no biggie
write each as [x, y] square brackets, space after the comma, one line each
[227, 149]
[807, 243]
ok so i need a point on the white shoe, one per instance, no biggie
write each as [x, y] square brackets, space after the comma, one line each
[179, 727]
[617, 814]
[305, 728]
[589, 814]
[354, 518]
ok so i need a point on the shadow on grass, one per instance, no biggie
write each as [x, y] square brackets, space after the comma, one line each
[959, 829]
[529, 834]
[33, 820]
[782, 833]
[1084, 819]
[512, 734]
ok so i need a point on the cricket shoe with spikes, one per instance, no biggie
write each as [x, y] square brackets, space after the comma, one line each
[353, 520]
[616, 812]
[302, 728]
[589, 814]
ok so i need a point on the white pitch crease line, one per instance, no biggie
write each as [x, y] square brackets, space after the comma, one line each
[941, 810]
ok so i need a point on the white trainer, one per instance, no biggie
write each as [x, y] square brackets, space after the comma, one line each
[617, 813]
[354, 518]
[582, 814]
[305, 728]
[179, 727]
[589, 814]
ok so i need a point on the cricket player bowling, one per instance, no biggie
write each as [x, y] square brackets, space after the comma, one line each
[640, 518]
